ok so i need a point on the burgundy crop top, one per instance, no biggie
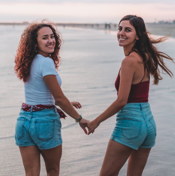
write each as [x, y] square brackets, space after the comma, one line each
[138, 92]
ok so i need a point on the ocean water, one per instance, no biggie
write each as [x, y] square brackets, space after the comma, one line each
[90, 60]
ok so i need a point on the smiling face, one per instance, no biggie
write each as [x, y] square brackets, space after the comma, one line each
[45, 41]
[126, 34]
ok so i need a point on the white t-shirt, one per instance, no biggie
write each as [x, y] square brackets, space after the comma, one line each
[36, 90]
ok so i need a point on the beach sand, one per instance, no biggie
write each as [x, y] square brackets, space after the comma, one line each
[90, 61]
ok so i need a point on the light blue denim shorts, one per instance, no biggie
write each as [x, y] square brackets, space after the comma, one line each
[40, 128]
[135, 126]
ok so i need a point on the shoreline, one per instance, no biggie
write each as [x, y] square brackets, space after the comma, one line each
[153, 28]
[161, 29]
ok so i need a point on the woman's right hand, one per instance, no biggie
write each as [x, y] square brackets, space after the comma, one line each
[83, 124]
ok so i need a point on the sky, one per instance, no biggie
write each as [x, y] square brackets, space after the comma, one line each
[85, 11]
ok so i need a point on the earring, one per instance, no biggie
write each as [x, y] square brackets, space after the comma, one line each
[36, 49]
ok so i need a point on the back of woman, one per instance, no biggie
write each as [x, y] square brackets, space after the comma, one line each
[141, 73]
[36, 91]
[135, 131]
[38, 127]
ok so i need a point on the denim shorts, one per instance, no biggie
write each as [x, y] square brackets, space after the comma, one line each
[135, 126]
[40, 128]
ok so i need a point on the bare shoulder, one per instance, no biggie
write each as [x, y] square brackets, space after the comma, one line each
[136, 56]
[131, 60]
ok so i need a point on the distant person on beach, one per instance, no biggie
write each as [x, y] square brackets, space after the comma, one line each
[38, 127]
[135, 132]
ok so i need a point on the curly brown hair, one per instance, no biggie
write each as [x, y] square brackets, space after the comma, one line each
[26, 50]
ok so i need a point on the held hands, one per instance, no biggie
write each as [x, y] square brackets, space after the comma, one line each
[83, 124]
[92, 126]
[86, 124]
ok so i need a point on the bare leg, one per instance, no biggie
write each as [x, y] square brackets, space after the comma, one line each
[31, 160]
[116, 156]
[137, 161]
[52, 159]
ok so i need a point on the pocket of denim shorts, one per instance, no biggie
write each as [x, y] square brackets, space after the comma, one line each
[44, 129]
[19, 129]
[153, 124]
[131, 128]
[58, 123]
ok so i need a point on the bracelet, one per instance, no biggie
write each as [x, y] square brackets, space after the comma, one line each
[78, 120]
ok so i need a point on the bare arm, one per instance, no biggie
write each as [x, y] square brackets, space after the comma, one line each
[126, 76]
[62, 101]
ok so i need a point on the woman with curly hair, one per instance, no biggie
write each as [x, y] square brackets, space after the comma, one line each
[38, 127]
[135, 131]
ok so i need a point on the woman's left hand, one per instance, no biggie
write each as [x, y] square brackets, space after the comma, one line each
[92, 126]
[76, 104]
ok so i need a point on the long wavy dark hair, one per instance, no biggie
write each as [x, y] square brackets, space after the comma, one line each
[152, 58]
[26, 50]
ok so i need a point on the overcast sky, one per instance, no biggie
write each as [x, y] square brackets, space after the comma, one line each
[89, 1]
[85, 11]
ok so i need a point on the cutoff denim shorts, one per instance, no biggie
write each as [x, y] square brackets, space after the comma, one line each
[135, 126]
[40, 128]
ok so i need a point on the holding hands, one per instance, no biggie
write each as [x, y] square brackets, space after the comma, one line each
[92, 126]
[86, 124]
[83, 122]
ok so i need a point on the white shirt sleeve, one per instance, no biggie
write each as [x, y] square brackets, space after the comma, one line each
[48, 67]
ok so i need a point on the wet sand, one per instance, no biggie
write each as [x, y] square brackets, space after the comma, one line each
[90, 63]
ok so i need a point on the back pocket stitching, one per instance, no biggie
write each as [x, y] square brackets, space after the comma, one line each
[150, 120]
[123, 130]
[52, 133]
[22, 130]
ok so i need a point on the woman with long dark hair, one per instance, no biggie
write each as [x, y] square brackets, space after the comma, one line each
[38, 127]
[135, 131]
